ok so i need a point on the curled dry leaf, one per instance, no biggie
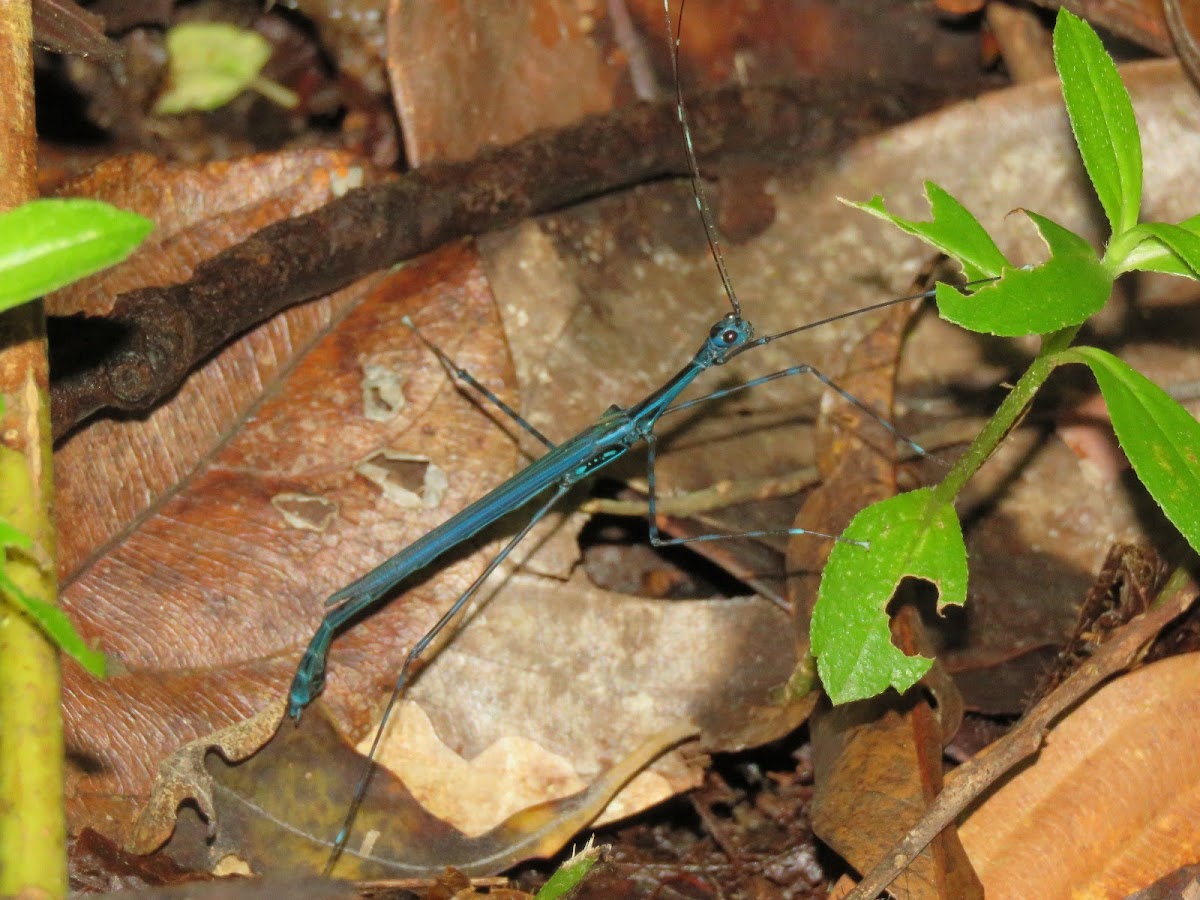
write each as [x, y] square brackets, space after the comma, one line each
[1109, 804]
[182, 777]
[274, 811]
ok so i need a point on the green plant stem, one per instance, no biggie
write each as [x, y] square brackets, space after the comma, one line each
[1006, 417]
[32, 826]
[32, 820]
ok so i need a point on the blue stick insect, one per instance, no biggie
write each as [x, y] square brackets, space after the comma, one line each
[551, 476]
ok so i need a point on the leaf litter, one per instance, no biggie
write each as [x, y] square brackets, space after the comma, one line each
[1081, 545]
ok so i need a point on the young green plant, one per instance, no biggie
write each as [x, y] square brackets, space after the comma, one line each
[918, 534]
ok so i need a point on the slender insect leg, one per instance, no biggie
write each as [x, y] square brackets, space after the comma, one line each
[360, 791]
[825, 380]
[466, 377]
[657, 540]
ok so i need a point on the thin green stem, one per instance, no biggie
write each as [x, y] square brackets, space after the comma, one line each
[1006, 417]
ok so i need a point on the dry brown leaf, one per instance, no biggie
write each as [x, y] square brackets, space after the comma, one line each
[484, 73]
[533, 64]
[584, 674]
[113, 472]
[878, 764]
[1110, 803]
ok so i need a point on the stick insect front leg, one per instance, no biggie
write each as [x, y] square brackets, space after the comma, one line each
[656, 538]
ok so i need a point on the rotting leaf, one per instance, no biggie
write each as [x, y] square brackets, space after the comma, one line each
[182, 776]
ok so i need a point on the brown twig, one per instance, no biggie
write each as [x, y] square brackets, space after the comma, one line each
[166, 331]
[1024, 42]
[972, 778]
[1186, 47]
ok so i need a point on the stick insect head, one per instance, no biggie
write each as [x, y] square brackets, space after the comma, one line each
[728, 335]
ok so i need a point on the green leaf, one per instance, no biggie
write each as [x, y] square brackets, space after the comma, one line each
[54, 622]
[953, 230]
[47, 244]
[1102, 119]
[1159, 436]
[1067, 289]
[11, 536]
[1175, 249]
[909, 535]
[210, 64]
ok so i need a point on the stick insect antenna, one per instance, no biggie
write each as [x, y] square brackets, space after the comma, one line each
[674, 33]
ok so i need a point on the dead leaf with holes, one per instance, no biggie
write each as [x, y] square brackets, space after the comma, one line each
[225, 579]
[114, 471]
[283, 514]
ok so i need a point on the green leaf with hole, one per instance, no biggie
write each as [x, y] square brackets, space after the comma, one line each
[912, 535]
[210, 63]
[952, 229]
[1160, 437]
[47, 244]
[1067, 289]
[1102, 119]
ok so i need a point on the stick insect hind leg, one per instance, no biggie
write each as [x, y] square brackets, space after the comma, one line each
[414, 654]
